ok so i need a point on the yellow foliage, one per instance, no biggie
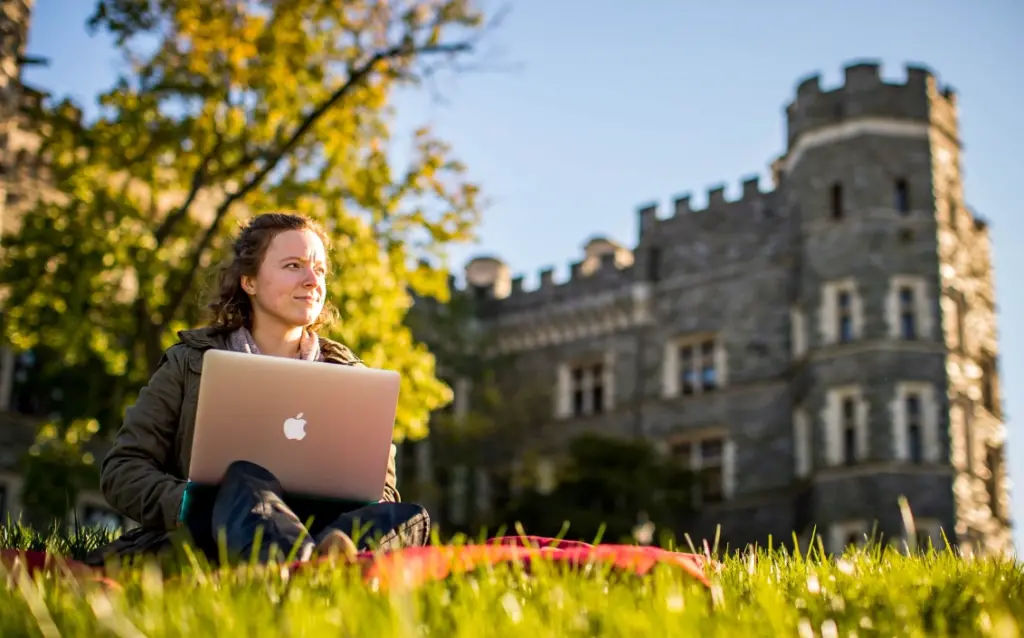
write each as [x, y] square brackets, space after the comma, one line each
[263, 106]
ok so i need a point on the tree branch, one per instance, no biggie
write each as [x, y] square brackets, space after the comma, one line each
[198, 181]
[274, 157]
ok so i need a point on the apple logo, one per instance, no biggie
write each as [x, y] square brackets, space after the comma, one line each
[295, 428]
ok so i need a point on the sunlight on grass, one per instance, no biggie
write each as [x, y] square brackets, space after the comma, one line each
[868, 592]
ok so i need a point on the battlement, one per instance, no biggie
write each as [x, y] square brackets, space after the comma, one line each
[490, 277]
[606, 264]
[864, 93]
[751, 198]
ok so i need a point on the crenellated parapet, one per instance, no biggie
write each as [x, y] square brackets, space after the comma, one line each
[864, 94]
[752, 201]
[598, 297]
[604, 264]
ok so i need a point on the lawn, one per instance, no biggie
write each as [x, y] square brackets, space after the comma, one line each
[872, 592]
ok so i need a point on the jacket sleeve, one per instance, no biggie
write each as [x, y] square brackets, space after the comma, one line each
[391, 494]
[133, 478]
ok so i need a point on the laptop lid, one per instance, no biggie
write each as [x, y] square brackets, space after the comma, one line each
[323, 429]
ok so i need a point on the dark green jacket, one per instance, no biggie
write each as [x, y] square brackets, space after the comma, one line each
[143, 476]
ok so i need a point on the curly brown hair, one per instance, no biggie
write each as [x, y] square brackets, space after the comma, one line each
[230, 307]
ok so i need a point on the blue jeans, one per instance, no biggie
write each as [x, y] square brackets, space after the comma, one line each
[250, 506]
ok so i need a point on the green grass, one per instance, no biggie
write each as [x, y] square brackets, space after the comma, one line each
[872, 592]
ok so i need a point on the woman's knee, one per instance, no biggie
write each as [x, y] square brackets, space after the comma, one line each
[412, 513]
[241, 470]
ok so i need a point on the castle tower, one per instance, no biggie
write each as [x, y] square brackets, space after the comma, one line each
[893, 321]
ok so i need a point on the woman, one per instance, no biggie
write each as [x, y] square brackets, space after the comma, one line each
[270, 301]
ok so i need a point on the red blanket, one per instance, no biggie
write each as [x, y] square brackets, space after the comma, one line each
[416, 565]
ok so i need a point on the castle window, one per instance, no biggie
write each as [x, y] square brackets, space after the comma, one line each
[708, 377]
[915, 423]
[837, 201]
[844, 305]
[597, 387]
[849, 425]
[579, 391]
[912, 406]
[584, 388]
[694, 365]
[901, 196]
[845, 425]
[989, 383]
[710, 459]
[840, 317]
[994, 465]
[688, 378]
[908, 313]
[712, 479]
[908, 323]
[953, 212]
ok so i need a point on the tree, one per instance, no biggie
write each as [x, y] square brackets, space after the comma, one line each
[57, 467]
[607, 483]
[226, 109]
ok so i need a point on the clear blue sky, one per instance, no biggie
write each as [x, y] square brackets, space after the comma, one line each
[602, 108]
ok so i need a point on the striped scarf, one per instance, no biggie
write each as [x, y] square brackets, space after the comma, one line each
[241, 341]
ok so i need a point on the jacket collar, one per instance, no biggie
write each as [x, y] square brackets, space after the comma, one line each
[209, 338]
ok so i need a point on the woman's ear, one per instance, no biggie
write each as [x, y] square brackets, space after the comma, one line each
[248, 285]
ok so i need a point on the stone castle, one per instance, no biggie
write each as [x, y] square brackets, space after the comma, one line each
[813, 352]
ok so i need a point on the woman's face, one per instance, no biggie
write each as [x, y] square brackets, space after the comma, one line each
[289, 288]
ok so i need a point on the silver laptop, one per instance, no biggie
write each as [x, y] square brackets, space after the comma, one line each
[323, 429]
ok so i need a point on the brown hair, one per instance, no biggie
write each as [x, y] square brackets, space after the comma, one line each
[230, 307]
